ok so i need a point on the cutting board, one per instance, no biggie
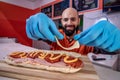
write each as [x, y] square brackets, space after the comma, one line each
[86, 73]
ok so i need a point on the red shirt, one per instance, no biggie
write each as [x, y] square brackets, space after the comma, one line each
[84, 50]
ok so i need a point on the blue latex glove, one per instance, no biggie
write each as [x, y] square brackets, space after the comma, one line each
[40, 26]
[103, 35]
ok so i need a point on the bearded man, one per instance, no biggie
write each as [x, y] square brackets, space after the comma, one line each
[70, 27]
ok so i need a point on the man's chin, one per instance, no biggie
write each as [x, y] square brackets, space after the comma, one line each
[69, 33]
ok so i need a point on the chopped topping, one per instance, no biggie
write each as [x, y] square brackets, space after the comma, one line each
[55, 56]
[76, 64]
[18, 55]
[42, 55]
[33, 55]
[69, 59]
[52, 58]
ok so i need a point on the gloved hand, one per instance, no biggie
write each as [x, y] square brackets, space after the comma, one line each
[102, 35]
[40, 26]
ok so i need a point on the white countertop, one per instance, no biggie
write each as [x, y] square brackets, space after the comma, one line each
[103, 72]
[6, 48]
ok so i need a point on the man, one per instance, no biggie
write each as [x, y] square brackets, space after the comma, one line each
[103, 34]
[70, 22]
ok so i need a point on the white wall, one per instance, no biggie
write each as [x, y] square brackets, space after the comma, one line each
[21, 3]
[91, 17]
[28, 3]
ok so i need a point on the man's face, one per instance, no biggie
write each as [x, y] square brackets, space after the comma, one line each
[70, 21]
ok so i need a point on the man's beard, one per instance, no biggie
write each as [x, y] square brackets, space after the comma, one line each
[70, 32]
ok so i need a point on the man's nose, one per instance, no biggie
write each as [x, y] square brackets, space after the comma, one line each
[69, 21]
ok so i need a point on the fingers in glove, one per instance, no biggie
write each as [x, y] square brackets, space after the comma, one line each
[28, 30]
[45, 29]
[100, 40]
[114, 43]
[92, 34]
[54, 30]
[36, 28]
[32, 25]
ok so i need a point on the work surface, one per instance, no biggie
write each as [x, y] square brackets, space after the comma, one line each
[86, 73]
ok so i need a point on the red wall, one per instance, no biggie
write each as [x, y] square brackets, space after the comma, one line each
[13, 21]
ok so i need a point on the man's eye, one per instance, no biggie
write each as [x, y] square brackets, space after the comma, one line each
[73, 19]
[65, 19]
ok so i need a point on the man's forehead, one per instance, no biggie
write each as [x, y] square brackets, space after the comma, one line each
[70, 12]
[68, 16]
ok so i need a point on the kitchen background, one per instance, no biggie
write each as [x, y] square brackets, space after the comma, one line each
[13, 15]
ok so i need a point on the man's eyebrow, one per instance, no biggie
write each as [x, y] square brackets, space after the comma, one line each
[72, 17]
[64, 18]
[68, 18]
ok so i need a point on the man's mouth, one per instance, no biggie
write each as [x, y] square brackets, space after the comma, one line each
[71, 27]
[69, 30]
